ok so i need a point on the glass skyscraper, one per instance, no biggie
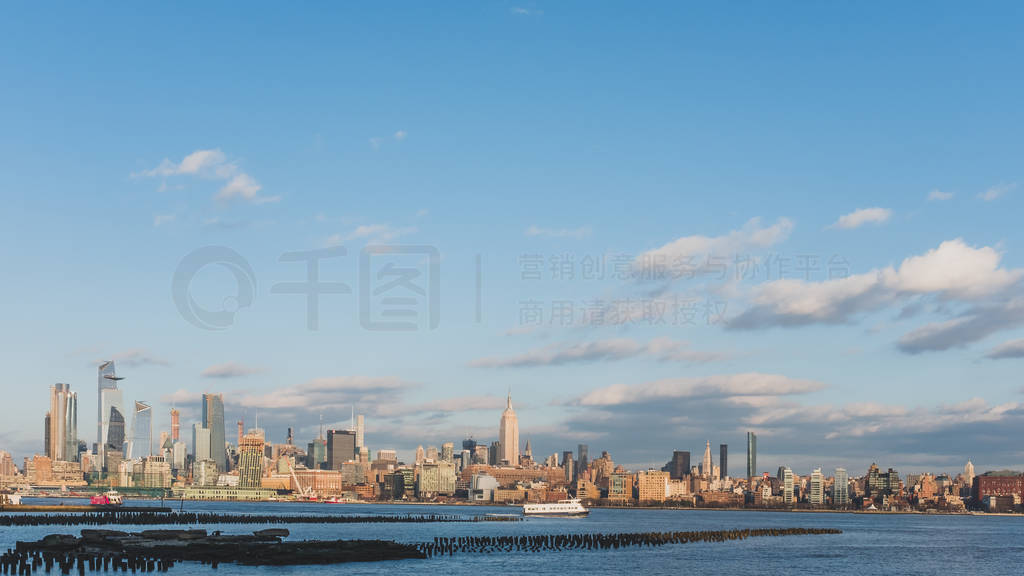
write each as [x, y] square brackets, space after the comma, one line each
[751, 455]
[109, 412]
[213, 420]
[841, 488]
[141, 443]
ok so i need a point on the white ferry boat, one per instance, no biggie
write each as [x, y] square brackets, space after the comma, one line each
[561, 508]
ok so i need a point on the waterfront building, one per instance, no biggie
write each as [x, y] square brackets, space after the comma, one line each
[204, 472]
[1001, 483]
[816, 489]
[751, 455]
[508, 435]
[620, 487]
[436, 478]
[213, 420]
[652, 486]
[787, 485]
[841, 488]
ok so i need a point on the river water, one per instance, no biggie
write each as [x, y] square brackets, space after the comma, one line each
[870, 543]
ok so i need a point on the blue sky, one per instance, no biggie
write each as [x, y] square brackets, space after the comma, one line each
[131, 136]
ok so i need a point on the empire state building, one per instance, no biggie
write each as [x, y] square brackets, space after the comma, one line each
[508, 435]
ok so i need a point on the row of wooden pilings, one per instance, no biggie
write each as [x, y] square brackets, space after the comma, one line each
[25, 562]
[556, 542]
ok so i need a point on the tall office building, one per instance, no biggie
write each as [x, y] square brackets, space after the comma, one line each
[787, 485]
[213, 420]
[816, 488]
[841, 488]
[679, 466]
[341, 448]
[582, 458]
[250, 460]
[751, 455]
[969, 473]
[448, 452]
[508, 435]
[706, 468]
[110, 413]
[723, 460]
[141, 443]
[62, 424]
[360, 432]
[568, 466]
[175, 425]
[200, 442]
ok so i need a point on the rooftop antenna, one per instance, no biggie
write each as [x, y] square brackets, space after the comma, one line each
[321, 427]
[352, 419]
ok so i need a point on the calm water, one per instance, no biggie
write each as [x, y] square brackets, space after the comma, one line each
[881, 544]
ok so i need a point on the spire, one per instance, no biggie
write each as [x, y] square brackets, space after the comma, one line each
[508, 405]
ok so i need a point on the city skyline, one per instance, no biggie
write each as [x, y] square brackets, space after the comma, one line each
[700, 229]
[212, 411]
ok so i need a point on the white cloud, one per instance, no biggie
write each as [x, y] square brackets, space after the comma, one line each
[230, 370]
[375, 142]
[662, 349]
[863, 216]
[558, 232]
[967, 328]
[939, 195]
[212, 164]
[997, 191]
[697, 248]
[953, 271]
[401, 135]
[752, 384]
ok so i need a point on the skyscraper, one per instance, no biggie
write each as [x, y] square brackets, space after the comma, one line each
[250, 460]
[582, 458]
[841, 488]
[706, 466]
[816, 489]
[508, 435]
[141, 443]
[787, 485]
[969, 473]
[679, 466]
[175, 425]
[62, 424]
[341, 448]
[109, 413]
[751, 455]
[723, 460]
[200, 442]
[360, 432]
[213, 420]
